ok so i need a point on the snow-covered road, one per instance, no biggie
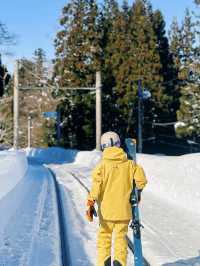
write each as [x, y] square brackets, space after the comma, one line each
[29, 228]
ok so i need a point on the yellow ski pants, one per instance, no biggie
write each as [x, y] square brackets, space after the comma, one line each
[104, 242]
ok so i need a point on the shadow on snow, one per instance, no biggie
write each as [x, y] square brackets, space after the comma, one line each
[190, 262]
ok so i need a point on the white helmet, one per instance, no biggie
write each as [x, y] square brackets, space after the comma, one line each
[110, 139]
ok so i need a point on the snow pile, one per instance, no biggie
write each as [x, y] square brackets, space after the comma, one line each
[88, 158]
[52, 155]
[13, 165]
[175, 179]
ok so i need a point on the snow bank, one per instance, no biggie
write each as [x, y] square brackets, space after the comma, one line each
[176, 179]
[13, 165]
[88, 158]
[52, 155]
[55, 155]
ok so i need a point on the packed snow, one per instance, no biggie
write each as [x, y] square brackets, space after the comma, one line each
[13, 166]
[170, 210]
[29, 227]
[174, 179]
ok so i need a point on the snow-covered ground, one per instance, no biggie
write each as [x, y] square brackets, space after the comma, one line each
[169, 209]
[29, 231]
[13, 166]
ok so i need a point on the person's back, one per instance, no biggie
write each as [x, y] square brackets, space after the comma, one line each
[111, 188]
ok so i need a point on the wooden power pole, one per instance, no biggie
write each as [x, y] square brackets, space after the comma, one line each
[29, 131]
[140, 116]
[16, 105]
[98, 111]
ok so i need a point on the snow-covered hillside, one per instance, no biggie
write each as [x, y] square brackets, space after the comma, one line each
[169, 209]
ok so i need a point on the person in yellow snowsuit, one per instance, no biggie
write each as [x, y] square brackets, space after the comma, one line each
[112, 183]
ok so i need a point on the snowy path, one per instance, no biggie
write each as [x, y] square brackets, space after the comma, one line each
[170, 236]
[81, 233]
[29, 225]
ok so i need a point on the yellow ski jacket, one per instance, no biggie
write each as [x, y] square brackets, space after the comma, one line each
[112, 183]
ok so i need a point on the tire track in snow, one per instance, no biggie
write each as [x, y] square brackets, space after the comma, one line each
[65, 253]
[36, 228]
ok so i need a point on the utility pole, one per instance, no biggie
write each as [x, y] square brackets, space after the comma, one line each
[29, 131]
[98, 111]
[16, 105]
[140, 116]
[58, 127]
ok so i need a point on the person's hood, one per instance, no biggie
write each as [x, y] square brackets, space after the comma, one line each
[114, 154]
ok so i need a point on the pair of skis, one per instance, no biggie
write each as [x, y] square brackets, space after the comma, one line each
[135, 225]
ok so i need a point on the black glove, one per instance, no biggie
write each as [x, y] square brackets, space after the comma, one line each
[139, 194]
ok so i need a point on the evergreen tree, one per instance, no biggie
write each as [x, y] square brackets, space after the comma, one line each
[188, 114]
[32, 72]
[77, 46]
[26, 72]
[40, 69]
[115, 46]
[175, 37]
[168, 69]
[176, 40]
[143, 63]
[130, 55]
[77, 60]
[107, 18]
[188, 42]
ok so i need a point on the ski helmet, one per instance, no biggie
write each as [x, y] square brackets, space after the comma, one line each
[110, 139]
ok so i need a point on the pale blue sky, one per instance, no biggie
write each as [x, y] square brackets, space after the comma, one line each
[35, 22]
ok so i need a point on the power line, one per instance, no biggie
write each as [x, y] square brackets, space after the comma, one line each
[36, 76]
[164, 124]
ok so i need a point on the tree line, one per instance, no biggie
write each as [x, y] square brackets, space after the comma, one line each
[126, 43]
